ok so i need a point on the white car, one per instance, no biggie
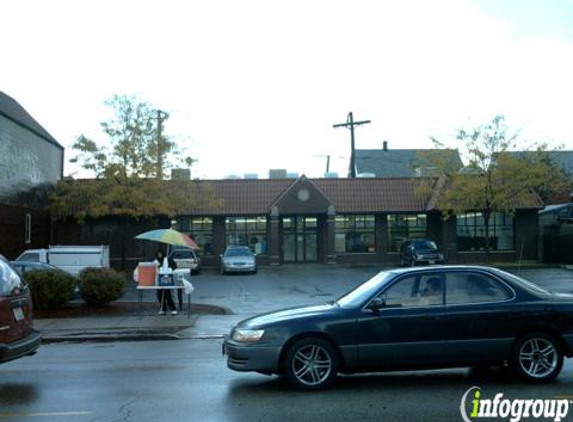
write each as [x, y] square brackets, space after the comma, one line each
[186, 258]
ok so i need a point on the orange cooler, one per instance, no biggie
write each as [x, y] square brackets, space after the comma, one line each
[147, 272]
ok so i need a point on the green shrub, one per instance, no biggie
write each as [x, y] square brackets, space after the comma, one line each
[99, 286]
[50, 289]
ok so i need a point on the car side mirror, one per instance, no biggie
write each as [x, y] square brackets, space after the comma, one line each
[377, 303]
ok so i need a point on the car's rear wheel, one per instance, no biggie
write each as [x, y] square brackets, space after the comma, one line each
[311, 364]
[537, 358]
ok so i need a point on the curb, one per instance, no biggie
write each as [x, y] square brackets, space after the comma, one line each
[203, 337]
[107, 337]
[132, 336]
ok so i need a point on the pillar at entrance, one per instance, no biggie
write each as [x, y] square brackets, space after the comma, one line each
[273, 237]
[329, 233]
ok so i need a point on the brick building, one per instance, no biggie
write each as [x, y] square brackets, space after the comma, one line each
[330, 221]
[31, 161]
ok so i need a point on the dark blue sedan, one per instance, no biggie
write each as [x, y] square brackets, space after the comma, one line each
[417, 318]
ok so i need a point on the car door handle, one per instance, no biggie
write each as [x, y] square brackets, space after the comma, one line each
[431, 317]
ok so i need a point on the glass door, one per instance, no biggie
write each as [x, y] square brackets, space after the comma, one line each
[300, 239]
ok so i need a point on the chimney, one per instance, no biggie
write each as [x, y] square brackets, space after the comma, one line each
[180, 174]
[385, 145]
[277, 174]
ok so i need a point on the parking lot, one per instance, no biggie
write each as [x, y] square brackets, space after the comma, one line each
[291, 285]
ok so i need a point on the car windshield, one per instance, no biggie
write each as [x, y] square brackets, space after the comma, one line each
[238, 252]
[361, 293]
[9, 279]
[424, 244]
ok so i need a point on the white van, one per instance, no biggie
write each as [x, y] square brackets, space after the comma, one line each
[70, 258]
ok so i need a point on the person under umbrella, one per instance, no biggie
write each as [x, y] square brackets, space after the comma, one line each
[164, 295]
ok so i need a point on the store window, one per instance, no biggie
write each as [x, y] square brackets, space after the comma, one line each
[355, 234]
[200, 229]
[402, 227]
[247, 231]
[471, 232]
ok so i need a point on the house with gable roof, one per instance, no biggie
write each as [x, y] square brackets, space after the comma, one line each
[31, 160]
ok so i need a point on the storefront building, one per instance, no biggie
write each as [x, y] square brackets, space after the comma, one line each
[329, 221]
[348, 221]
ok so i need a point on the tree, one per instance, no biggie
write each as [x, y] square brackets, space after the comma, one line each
[129, 181]
[137, 141]
[497, 178]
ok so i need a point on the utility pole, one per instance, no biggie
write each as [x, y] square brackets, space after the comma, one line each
[350, 123]
[327, 161]
[160, 116]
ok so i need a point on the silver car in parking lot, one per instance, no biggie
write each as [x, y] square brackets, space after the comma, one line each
[238, 259]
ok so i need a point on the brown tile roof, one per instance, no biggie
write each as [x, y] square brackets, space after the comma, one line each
[253, 197]
[372, 195]
[375, 195]
[367, 195]
[241, 197]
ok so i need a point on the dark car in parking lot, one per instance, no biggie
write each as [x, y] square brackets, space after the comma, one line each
[420, 252]
[410, 319]
[17, 336]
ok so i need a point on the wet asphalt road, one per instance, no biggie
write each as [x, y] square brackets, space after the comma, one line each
[188, 381]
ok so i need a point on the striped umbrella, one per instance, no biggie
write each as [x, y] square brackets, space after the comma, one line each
[169, 236]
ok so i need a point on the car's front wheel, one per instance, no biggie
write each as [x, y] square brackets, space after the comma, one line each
[311, 364]
[537, 358]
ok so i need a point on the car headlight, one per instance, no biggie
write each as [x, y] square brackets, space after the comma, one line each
[247, 335]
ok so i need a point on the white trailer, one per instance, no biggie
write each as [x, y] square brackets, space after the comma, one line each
[70, 258]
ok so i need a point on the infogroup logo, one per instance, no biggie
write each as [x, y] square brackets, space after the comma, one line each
[512, 409]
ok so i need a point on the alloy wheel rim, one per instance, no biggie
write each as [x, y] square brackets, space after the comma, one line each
[538, 357]
[311, 365]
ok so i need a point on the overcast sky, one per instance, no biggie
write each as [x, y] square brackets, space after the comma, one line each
[253, 85]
